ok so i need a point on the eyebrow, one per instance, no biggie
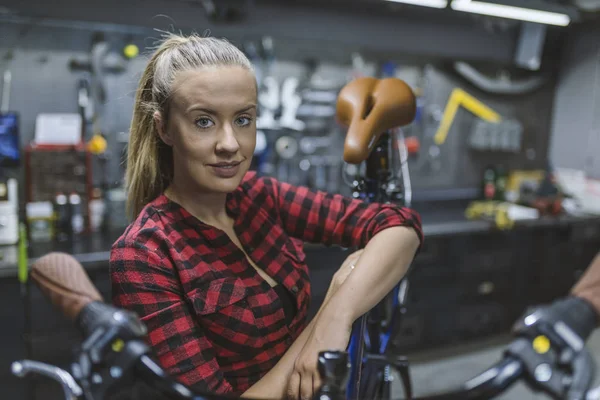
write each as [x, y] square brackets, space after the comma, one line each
[213, 112]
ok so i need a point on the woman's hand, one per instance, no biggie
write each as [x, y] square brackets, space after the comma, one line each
[328, 334]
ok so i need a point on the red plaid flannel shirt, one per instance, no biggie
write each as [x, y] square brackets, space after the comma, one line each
[213, 322]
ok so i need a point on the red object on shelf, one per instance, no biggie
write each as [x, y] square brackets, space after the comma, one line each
[52, 169]
[412, 145]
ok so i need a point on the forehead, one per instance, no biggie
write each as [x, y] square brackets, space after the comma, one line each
[215, 87]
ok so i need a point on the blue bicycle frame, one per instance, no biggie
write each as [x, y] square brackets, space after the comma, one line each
[374, 187]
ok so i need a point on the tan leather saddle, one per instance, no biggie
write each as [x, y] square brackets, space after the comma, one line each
[369, 107]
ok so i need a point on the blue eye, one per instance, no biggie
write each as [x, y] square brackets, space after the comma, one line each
[244, 121]
[204, 123]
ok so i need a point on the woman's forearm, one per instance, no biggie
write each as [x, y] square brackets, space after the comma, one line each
[383, 263]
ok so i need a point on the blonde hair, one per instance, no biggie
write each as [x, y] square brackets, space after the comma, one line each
[150, 161]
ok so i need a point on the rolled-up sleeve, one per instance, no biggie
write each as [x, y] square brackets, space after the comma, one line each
[332, 219]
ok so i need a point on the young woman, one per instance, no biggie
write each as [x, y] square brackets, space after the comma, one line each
[213, 261]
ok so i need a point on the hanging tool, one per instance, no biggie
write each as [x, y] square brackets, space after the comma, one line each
[269, 100]
[310, 144]
[7, 80]
[251, 51]
[290, 102]
[269, 90]
[286, 148]
[10, 150]
[459, 98]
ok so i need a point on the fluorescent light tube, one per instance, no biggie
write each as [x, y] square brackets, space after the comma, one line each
[424, 3]
[511, 12]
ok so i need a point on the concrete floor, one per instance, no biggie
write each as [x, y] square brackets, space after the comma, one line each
[438, 371]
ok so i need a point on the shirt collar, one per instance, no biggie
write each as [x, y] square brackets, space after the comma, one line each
[175, 211]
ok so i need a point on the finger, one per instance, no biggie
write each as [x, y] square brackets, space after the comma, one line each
[306, 386]
[293, 390]
[316, 383]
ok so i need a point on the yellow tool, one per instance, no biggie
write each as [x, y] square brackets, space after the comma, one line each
[458, 98]
[131, 51]
[497, 211]
[97, 145]
[22, 262]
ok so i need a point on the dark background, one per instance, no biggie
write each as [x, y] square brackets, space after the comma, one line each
[532, 264]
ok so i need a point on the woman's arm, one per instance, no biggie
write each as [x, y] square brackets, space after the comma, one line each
[384, 262]
[391, 234]
[274, 384]
[382, 265]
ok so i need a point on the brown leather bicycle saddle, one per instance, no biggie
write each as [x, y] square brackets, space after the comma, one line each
[368, 107]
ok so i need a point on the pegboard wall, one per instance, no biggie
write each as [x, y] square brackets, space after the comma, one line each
[457, 165]
[43, 83]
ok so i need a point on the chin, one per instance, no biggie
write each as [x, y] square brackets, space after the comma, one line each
[224, 185]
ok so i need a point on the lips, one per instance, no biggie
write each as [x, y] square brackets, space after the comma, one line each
[226, 170]
[226, 164]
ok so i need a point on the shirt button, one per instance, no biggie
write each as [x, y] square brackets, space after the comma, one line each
[295, 289]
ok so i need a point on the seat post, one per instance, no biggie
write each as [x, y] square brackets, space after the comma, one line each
[374, 324]
[378, 170]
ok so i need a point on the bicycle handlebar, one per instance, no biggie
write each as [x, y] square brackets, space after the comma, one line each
[65, 282]
[114, 340]
[487, 384]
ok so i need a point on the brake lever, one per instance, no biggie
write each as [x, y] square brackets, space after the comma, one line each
[70, 387]
[583, 372]
[543, 375]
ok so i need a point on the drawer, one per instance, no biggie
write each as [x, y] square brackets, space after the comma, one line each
[441, 326]
[56, 349]
[485, 262]
[477, 320]
[411, 333]
[432, 296]
[433, 250]
[432, 274]
[486, 286]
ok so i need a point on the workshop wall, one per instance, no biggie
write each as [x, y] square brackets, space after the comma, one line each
[576, 118]
[390, 31]
[44, 83]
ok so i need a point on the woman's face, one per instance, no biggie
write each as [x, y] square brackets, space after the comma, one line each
[211, 127]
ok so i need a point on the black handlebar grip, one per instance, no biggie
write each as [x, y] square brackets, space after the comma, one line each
[334, 369]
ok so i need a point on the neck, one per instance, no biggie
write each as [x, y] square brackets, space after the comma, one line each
[207, 207]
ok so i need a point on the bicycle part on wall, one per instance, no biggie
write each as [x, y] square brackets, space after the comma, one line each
[503, 136]
[302, 140]
[455, 167]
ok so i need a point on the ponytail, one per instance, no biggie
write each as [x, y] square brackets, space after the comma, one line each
[149, 160]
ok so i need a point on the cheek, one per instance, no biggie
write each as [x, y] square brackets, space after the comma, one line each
[193, 148]
[248, 141]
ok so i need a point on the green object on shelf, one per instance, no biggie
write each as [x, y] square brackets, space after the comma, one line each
[23, 260]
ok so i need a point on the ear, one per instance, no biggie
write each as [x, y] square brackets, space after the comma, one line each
[159, 123]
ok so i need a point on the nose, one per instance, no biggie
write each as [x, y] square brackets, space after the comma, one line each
[227, 141]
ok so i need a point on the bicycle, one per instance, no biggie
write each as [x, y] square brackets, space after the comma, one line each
[375, 110]
[114, 352]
